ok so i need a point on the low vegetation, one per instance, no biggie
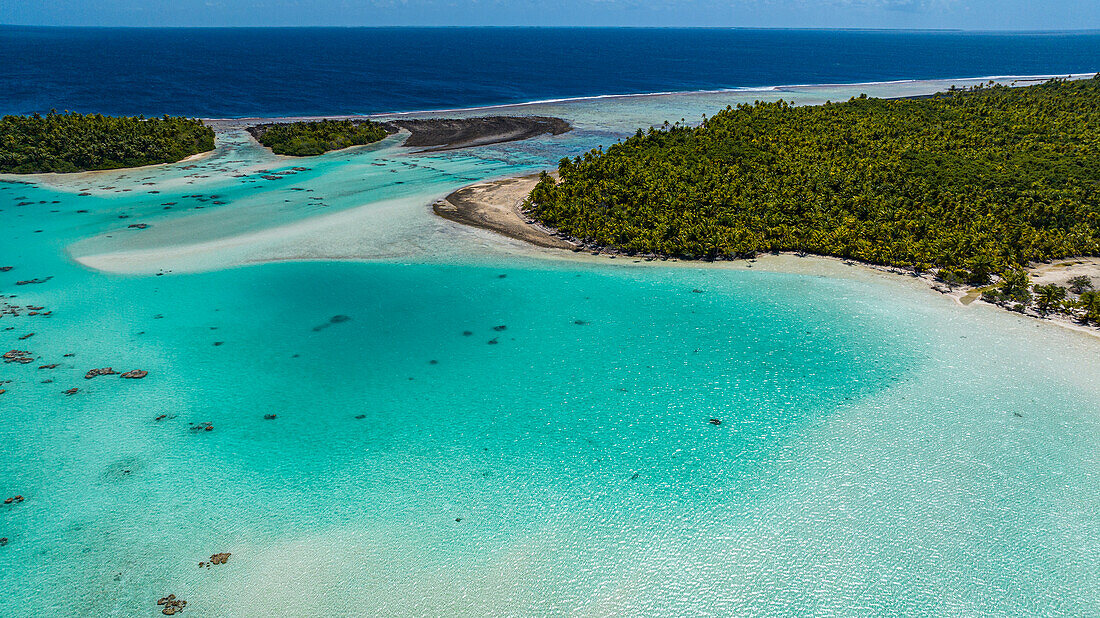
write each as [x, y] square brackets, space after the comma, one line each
[971, 183]
[308, 138]
[1078, 300]
[79, 142]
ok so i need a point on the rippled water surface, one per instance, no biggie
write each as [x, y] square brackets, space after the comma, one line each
[465, 427]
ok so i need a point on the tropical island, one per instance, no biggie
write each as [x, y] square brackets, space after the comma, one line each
[971, 188]
[74, 142]
[314, 137]
[304, 138]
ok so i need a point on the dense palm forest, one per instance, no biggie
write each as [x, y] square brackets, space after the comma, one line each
[307, 138]
[78, 142]
[972, 182]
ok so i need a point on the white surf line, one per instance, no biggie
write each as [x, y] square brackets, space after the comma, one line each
[597, 97]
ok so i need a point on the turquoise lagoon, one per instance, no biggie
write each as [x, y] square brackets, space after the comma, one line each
[467, 426]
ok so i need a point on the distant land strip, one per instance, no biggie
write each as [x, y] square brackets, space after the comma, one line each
[312, 137]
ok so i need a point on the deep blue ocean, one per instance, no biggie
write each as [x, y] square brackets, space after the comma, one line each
[314, 71]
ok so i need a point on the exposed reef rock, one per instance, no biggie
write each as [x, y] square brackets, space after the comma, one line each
[221, 558]
[450, 133]
[171, 605]
[22, 357]
[33, 281]
[105, 371]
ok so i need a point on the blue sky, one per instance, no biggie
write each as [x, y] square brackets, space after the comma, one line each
[963, 14]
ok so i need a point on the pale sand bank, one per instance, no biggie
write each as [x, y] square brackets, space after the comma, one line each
[331, 236]
[498, 206]
[1059, 272]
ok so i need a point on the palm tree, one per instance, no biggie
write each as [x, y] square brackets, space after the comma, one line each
[1090, 303]
[1049, 297]
[1080, 284]
[1015, 284]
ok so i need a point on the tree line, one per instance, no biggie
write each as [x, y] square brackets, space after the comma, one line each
[314, 137]
[74, 142]
[969, 183]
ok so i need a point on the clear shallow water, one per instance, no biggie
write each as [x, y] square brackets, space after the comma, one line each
[870, 459]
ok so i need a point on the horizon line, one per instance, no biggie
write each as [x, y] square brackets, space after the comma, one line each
[527, 27]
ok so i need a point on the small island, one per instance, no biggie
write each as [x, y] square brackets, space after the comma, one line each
[305, 138]
[990, 193]
[313, 137]
[74, 142]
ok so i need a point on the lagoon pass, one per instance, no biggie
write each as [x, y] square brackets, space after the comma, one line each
[354, 407]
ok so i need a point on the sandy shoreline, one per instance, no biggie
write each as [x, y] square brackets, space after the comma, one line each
[53, 178]
[496, 206]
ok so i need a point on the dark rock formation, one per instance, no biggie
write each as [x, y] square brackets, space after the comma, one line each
[450, 133]
[105, 371]
[171, 605]
[31, 281]
[18, 356]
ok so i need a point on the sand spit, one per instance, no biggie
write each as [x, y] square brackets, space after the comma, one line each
[497, 206]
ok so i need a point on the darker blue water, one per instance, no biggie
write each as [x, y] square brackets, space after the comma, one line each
[287, 71]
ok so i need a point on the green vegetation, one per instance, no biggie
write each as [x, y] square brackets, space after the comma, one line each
[303, 139]
[78, 142]
[972, 183]
[1049, 297]
[1015, 288]
[1089, 305]
[1015, 293]
[1080, 284]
